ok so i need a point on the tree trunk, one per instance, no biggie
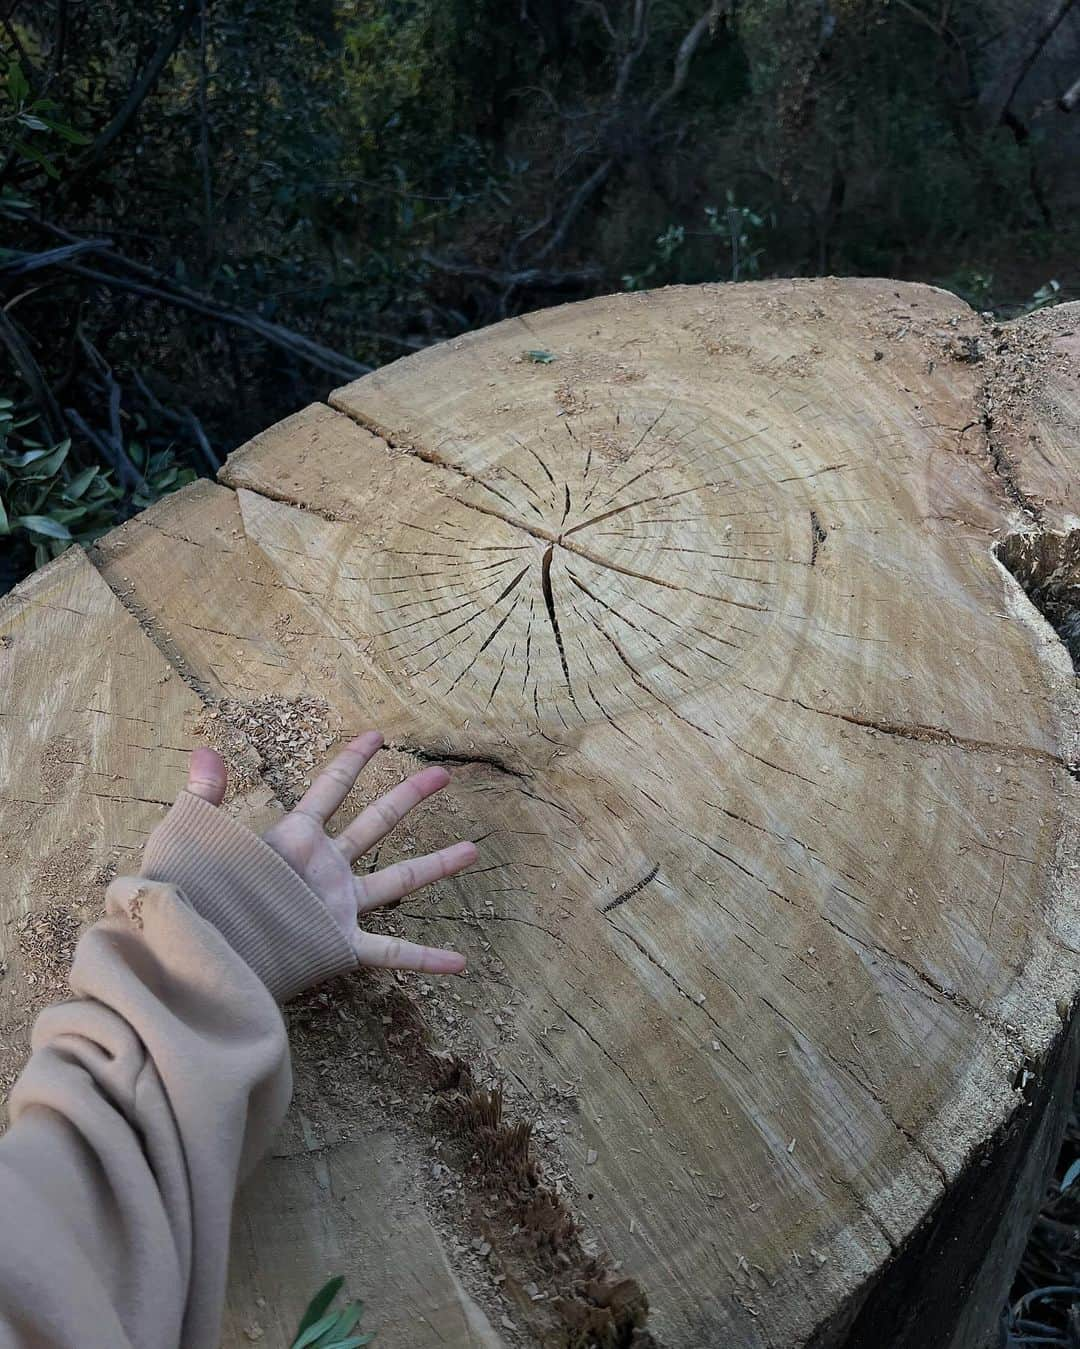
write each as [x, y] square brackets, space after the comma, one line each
[726, 606]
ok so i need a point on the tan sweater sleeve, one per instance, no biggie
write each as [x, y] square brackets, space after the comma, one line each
[153, 1090]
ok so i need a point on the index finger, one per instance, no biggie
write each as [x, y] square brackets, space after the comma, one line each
[337, 780]
[391, 953]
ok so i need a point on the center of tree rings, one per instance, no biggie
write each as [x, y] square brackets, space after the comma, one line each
[586, 570]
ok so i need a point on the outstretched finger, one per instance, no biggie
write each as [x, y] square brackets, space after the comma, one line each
[206, 775]
[391, 953]
[375, 821]
[383, 887]
[337, 780]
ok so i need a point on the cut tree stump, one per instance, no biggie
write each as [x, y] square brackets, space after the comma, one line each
[743, 616]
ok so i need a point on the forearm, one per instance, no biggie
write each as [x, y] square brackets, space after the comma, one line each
[145, 1099]
[152, 1091]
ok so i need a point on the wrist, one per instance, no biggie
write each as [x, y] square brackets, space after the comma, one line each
[270, 917]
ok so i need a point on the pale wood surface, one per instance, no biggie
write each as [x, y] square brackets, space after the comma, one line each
[355, 1207]
[95, 728]
[768, 754]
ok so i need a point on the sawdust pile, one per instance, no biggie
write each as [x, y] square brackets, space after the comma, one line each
[290, 737]
[366, 1059]
[47, 940]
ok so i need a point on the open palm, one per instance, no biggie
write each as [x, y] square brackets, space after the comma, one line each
[326, 863]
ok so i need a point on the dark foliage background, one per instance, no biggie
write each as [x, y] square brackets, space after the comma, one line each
[214, 211]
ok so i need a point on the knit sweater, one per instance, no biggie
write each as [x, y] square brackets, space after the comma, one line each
[153, 1090]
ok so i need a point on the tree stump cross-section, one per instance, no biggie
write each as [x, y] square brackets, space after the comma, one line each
[743, 616]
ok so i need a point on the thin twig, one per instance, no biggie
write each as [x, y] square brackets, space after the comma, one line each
[27, 366]
[158, 287]
[525, 276]
[584, 191]
[212, 461]
[185, 419]
[59, 47]
[636, 41]
[1071, 97]
[33, 262]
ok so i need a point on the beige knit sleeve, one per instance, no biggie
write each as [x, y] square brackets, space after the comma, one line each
[267, 914]
[152, 1091]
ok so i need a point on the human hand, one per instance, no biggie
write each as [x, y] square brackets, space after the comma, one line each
[325, 863]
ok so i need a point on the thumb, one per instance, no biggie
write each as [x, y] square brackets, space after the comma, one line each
[206, 775]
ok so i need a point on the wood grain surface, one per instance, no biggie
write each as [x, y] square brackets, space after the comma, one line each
[771, 760]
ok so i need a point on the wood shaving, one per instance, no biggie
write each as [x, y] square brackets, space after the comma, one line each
[47, 940]
[290, 736]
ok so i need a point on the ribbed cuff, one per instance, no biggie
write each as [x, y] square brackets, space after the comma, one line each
[272, 920]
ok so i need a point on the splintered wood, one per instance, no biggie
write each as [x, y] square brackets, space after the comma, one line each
[771, 759]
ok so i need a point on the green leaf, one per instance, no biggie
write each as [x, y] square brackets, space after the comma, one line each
[316, 1308]
[10, 201]
[65, 131]
[17, 84]
[347, 1320]
[77, 487]
[34, 123]
[28, 152]
[22, 460]
[41, 524]
[314, 1332]
[165, 480]
[48, 465]
[66, 515]
[539, 357]
[5, 528]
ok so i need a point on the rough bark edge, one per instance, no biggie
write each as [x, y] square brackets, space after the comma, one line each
[946, 1288]
[942, 1290]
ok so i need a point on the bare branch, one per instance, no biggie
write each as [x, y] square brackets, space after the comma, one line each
[685, 55]
[598, 7]
[920, 15]
[33, 262]
[145, 282]
[526, 276]
[632, 45]
[184, 420]
[314, 353]
[585, 190]
[127, 475]
[997, 95]
[27, 366]
[138, 91]
[635, 44]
